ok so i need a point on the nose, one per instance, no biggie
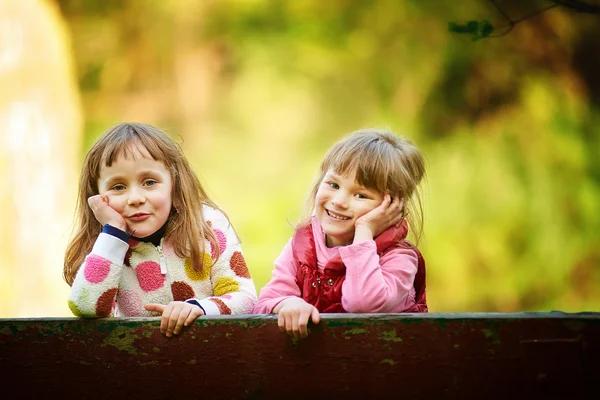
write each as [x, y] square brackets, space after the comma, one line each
[136, 197]
[340, 200]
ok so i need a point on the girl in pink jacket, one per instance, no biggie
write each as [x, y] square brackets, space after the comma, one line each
[350, 253]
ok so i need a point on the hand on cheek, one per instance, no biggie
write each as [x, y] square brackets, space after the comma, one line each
[387, 214]
[104, 213]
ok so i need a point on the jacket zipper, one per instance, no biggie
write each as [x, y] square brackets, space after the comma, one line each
[161, 257]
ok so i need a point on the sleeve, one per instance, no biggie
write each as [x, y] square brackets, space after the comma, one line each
[282, 285]
[97, 280]
[232, 285]
[377, 284]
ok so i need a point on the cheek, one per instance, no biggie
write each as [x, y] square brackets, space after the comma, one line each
[321, 197]
[165, 202]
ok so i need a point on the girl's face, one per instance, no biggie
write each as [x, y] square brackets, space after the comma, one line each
[339, 202]
[138, 188]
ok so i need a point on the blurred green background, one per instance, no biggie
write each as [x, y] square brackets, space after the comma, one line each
[257, 91]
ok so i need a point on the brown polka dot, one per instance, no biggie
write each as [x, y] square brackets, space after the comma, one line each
[238, 265]
[223, 309]
[182, 291]
[105, 303]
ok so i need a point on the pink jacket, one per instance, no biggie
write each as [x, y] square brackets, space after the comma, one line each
[373, 282]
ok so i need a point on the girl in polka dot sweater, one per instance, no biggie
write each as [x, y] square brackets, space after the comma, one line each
[149, 241]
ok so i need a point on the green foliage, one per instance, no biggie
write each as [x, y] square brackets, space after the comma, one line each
[476, 29]
[260, 89]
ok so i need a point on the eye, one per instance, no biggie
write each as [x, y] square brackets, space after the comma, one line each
[361, 196]
[333, 185]
[118, 187]
[150, 182]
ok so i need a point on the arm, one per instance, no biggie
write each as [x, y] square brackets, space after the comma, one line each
[282, 285]
[281, 296]
[377, 284]
[233, 288]
[96, 283]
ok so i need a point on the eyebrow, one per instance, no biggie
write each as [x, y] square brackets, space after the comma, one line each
[334, 175]
[143, 173]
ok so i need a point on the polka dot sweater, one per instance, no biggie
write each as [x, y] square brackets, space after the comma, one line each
[118, 278]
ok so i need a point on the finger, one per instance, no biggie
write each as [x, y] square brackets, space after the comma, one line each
[155, 307]
[289, 325]
[387, 200]
[296, 328]
[183, 315]
[164, 320]
[173, 318]
[93, 202]
[196, 312]
[281, 322]
[302, 322]
[316, 317]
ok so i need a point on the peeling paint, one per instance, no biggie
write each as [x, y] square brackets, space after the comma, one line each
[355, 331]
[391, 336]
[122, 338]
[493, 334]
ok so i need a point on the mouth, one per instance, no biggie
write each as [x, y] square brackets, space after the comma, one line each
[138, 216]
[339, 217]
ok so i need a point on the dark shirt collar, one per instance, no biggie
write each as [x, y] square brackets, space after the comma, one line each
[155, 237]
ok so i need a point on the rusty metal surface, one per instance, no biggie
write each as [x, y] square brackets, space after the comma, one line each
[347, 356]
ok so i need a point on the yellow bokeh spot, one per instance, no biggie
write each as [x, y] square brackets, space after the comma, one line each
[74, 309]
[226, 285]
[198, 275]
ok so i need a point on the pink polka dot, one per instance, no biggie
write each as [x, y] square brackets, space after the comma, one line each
[149, 276]
[96, 268]
[130, 303]
[226, 296]
[222, 242]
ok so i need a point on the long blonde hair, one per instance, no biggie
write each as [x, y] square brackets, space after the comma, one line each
[186, 227]
[383, 162]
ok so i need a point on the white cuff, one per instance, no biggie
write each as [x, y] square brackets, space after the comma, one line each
[209, 307]
[111, 248]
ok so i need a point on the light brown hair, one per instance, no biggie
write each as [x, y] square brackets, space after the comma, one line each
[383, 162]
[186, 227]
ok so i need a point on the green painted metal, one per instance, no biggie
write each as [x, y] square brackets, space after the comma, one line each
[483, 355]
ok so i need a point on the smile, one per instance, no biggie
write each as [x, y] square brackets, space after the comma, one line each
[337, 216]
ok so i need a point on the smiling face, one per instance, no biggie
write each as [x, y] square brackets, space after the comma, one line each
[139, 188]
[339, 202]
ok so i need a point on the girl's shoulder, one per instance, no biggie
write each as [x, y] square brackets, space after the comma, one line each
[215, 216]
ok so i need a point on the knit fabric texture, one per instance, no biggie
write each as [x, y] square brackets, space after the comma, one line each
[118, 278]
